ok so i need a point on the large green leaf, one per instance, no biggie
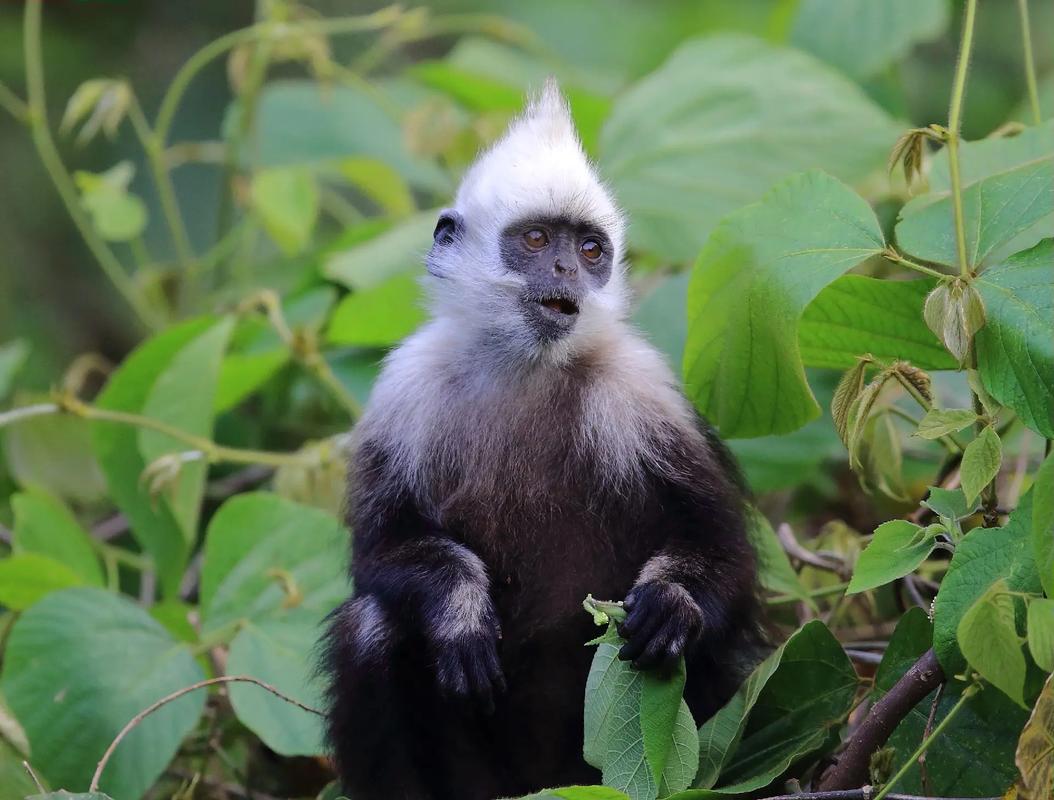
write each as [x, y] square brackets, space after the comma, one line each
[379, 316]
[809, 694]
[984, 556]
[857, 314]
[301, 122]
[286, 201]
[27, 577]
[987, 157]
[989, 642]
[115, 660]
[276, 568]
[578, 793]
[45, 526]
[183, 395]
[719, 736]
[695, 139]
[257, 547]
[861, 37]
[1015, 348]
[398, 249]
[12, 357]
[897, 548]
[274, 651]
[996, 210]
[154, 525]
[775, 572]
[627, 722]
[974, 757]
[742, 365]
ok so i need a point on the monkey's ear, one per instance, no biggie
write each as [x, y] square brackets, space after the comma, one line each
[448, 227]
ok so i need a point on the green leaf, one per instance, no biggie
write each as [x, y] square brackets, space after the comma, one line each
[241, 374]
[44, 525]
[286, 201]
[115, 662]
[989, 641]
[940, 422]
[775, 572]
[693, 140]
[118, 215]
[984, 556]
[62, 794]
[949, 504]
[1043, 524]
[27, 577]
[660, 703]
[379, 182]
[804, 700]
[277, 651]
[742, 365]
[856, 314]
[153, 524]
[981, 461]
[54, 452]
[578, 793]
[183, 396]
[12, 357]
[254, 538]
[380, 316]
[1041, 632]
[996, 209]
[986, 157]
[1015, 349]
[396, 250]
[974, 757]
[615, 728]
[897, 548]
[660, 314]
[299, 122]
[719, 736]
[862, 38]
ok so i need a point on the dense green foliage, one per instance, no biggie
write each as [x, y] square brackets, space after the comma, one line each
[875, 340]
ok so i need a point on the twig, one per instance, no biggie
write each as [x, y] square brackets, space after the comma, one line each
[794, 549]
[150, 709]
[110, 528]
[851, 769]
[864, 657]
[863, 793]
[926, 732]
[914, 593]
[33, 775]
[13, 104]
[823, 591]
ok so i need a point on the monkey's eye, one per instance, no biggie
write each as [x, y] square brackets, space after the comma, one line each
[536, 238]
[591, 249]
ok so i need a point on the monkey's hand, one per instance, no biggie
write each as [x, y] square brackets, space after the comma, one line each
[467, 665]
[663, 621]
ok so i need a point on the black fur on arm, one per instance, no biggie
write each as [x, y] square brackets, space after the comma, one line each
[425, 580]
[699, 589]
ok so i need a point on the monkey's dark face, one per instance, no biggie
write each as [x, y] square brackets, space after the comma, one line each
[561, 263]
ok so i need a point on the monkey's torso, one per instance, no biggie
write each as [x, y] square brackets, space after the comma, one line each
[525, 472]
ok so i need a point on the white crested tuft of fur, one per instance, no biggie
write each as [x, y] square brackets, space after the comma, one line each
[537, 170]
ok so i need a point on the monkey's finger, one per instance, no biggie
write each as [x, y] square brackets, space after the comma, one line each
[640, 626]
[664, 649]
[497, 677]
[479, 681]
[451, 674]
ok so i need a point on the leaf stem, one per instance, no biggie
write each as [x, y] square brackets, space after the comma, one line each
[892, 255]
[214, 49]
[49, 156]
[823, 591]
[155, 154]
[954, 123]
[27, 412]
[924, 745]
[925, 404]
[989, 497]
[150, 709]
[13, 104]
[1030, 62]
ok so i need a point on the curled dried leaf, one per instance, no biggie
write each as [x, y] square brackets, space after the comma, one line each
[919, 379]
[847, 391]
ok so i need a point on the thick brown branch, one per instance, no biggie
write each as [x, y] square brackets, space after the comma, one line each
[851, 770]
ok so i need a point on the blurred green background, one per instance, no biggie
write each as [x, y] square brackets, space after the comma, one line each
[51, 291]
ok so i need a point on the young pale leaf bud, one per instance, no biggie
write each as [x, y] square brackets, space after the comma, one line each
[848, 390]
[954, 311]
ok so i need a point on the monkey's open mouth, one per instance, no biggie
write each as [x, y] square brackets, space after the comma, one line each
[561, 305]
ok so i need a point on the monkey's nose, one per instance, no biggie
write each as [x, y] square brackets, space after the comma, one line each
[560, 269]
